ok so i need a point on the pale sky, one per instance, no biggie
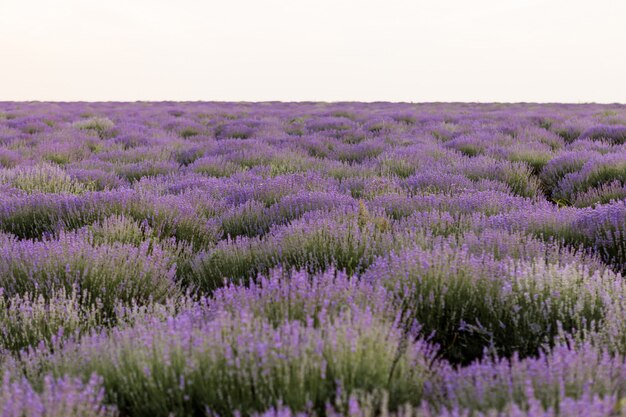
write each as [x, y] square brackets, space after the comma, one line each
[330, 50]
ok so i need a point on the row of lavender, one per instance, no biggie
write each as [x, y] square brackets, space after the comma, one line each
[296, 259]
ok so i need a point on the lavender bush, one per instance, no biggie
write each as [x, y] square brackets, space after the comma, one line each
[312, 259]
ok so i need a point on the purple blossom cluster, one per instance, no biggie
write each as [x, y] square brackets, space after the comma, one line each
[312, 259]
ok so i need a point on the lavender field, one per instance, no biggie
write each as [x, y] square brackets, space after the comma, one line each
[276, 260]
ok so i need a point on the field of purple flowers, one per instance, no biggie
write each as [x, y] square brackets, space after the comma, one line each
[277, 260]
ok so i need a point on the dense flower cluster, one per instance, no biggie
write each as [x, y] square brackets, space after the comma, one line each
[275, 259]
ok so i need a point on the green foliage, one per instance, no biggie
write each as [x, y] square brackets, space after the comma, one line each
[102, 126]
[352, 244]
[29, 319]
[536, 160]
[236, 364]
[106, 274]
[472, 303]
[43, 179]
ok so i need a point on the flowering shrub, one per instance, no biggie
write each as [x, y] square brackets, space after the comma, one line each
[312, 259]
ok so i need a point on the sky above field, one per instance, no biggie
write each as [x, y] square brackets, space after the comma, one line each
[330, 50]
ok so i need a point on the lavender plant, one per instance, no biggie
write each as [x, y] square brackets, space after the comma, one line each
[318, 259]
